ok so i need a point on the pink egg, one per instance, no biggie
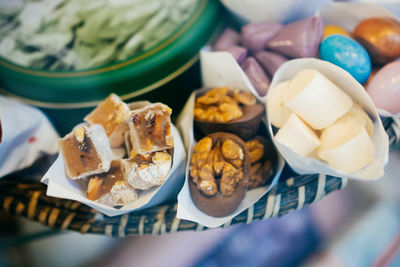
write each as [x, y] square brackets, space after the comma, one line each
[384, 88]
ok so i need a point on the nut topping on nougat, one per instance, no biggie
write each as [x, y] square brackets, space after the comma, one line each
[145, 171]
[150, 128]
[110, 188]
[86, 151]
[111, 114]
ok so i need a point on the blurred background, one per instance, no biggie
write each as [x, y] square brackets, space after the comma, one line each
[357, 226]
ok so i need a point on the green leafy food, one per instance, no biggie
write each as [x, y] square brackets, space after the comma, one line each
[82, 34]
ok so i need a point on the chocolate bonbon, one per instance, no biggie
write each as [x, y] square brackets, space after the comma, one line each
[222, 109]
[219, 173]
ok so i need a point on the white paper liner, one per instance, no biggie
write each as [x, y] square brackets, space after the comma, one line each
[218, 69]
[221, 69]
[305, 165]
[59, 185]
[349, 15]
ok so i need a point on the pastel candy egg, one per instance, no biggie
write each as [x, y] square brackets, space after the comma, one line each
[384, 88]
[334, 29]
[347, 54]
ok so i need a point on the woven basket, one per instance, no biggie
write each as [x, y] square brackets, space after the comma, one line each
[22, 194]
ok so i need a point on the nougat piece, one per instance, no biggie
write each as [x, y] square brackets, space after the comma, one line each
[86, 151]
[146, 171]
[150, 128]
[111, 114]
[110, 188]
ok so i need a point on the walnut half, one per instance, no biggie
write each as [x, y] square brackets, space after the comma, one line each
[222, 105]
[217, 165]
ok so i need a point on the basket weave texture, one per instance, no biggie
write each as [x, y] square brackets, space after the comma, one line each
[22, 194]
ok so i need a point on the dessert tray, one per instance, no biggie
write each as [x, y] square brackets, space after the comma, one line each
[273, 128]
[22, 194]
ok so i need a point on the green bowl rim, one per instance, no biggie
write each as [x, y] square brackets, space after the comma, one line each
[112, 66]
[87, 104]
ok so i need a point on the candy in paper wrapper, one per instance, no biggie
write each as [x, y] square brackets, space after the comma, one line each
[187, 209]
[315, 99]
[298, 39]
[381, 38]
[379, 139]
[270, 61]
[339, 139]
[256, 35]
[277, 111]
[238, 52]
[218, 69]
[256, 75]
[227, 39]
[59, 185]
[384, 89]
[111, 115]
[86, 151]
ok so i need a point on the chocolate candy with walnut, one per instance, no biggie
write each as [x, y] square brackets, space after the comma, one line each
[219, 173]
[224, 110]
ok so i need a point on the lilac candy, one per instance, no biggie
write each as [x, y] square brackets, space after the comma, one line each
[270, 61]
[238, 52]
[256, 35]
[299, 39]
[256, 75]
[228, 38]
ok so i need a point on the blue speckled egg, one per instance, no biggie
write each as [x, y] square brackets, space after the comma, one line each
[347, 54]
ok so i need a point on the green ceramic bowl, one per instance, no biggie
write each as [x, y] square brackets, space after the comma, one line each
[165, 73]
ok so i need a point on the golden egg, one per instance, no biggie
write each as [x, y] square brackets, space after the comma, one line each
[381, 38]
[334, 29]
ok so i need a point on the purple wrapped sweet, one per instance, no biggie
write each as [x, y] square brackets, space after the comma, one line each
[227, 39]
[256, 35]
[256, 75]
[299, 39]
[270, 61]
[238, 52]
